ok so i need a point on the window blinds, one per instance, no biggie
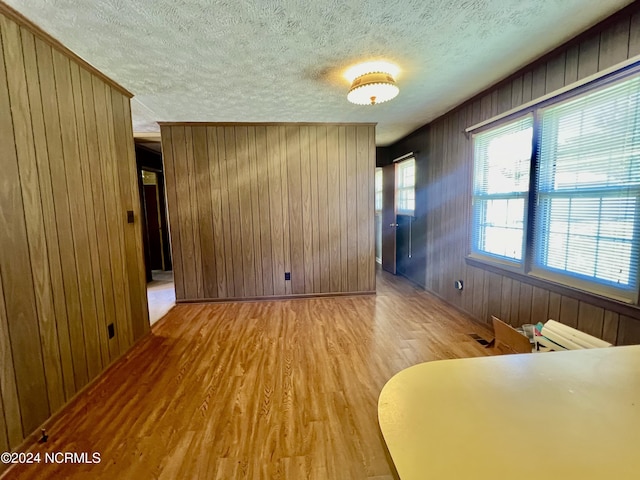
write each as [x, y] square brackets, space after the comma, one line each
[501, 185]
[588, 189]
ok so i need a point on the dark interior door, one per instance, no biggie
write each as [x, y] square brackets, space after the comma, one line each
[389, 218]
[403, 244]
[153, 227]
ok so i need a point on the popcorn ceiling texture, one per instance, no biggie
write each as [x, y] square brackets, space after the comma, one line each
[282, 61]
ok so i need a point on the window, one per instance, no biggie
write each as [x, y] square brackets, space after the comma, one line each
[378, 189]
[405, 187]
[501, 185]
[585, 197]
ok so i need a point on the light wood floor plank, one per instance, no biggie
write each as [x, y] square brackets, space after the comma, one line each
[257, 390]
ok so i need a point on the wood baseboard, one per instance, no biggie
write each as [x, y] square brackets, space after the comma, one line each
[296, 296]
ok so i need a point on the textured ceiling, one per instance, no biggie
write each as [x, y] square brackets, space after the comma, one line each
[282, 61]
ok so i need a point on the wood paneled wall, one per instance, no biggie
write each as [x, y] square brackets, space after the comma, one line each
[69, 263]
[248, 203]
[445, 173]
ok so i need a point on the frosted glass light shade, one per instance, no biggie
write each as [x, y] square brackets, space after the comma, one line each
[372, 88]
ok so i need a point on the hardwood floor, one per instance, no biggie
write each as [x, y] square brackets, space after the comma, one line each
[264, 390]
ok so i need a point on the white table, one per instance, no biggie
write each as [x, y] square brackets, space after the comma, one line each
[563, 415]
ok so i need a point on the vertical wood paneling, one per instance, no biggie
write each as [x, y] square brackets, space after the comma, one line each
[588, 53]
[610, 327]
[193, 200]
[435, 215]
[495, 295]
[524, 311]
[505, 307]
[514, 319]
[505, 93]
[83, 332]
[249, 274]
[614, 44]
[123, 323]
[215, 183]
[554, 306]
[112, 207]
[185, 216]
[226, 216]
[468, 287]
[275, 194]
[296, 229]
[285, 210]
[539, 305]
[352, 213]
[66, 155]
[307, 227]
[333, 209]
[444, 203]
[634, 35]
[299, 198]
[494, 102]
[569, 311]
[315, 208]
[370, 285]
[95, 332]
[255, 210]
[8, 387]
[15, 268]
[205, 218]
[516, 93]
[527, 93]
[344, 225]
[33, 65]
[264, 212]
[628, 331]
[363, 205]
[323, 213]
[4, 439]
[555, 73]
[173, 214]
[571, 65]
[137, 323]
[133, 237]
[108, 349]
[590, 319]
[24, 76]
[539, 81]
[478, 293]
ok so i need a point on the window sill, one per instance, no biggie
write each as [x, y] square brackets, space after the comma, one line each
[607, 303]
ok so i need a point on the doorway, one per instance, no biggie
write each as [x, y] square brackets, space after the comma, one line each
[153, 223]
[161, 294]
[398, 215]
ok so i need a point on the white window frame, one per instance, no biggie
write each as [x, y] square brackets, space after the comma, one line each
[404, 187]
[482, 199]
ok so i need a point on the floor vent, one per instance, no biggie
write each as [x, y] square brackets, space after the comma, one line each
[479, 339]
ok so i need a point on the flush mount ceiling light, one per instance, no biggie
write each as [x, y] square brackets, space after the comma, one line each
[372, 83]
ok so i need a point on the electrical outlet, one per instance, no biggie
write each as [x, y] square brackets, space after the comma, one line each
[287, 275]
[111, 329]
